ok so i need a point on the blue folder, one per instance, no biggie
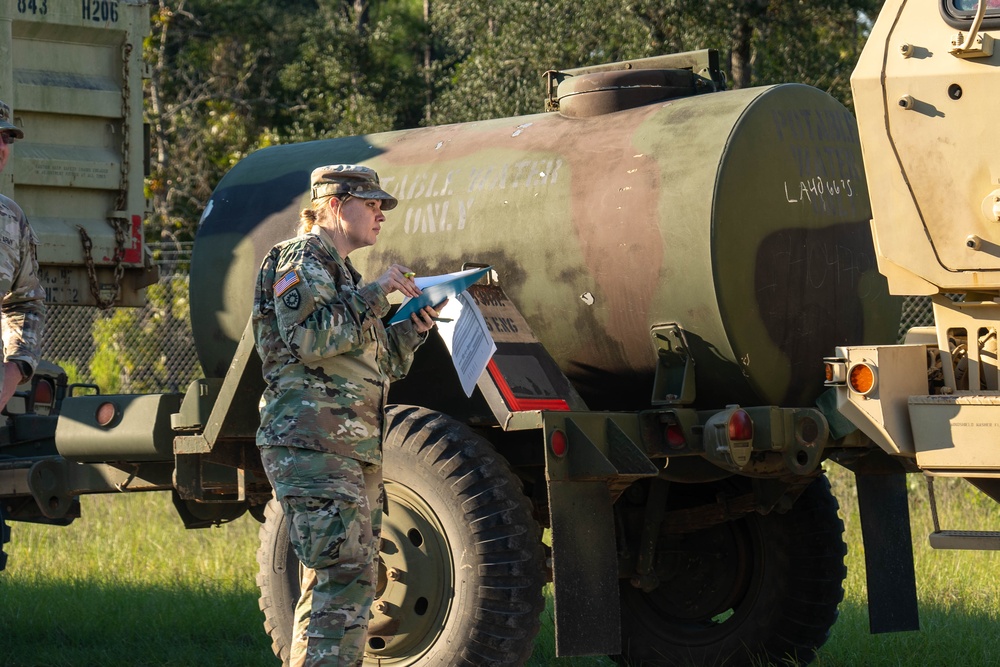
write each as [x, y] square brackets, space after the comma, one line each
[438, 288]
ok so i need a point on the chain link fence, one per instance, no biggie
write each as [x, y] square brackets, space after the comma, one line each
[131, 350]
[917, 312]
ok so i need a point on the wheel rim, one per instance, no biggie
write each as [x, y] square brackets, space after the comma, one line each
[708, 578]
[416, 581]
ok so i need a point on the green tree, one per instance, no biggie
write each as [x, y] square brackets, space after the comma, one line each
[770, 41]
[232, 76]
[213, 95]
[491, 56]
[356, 71]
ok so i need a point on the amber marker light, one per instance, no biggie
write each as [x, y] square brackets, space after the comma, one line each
[861, 378]
[835, 369]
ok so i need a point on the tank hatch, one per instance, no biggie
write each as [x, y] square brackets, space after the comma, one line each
[592, 91]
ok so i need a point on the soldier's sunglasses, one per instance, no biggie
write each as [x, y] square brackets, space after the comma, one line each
[7, 137]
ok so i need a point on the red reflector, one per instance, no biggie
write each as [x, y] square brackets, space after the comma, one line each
[558, 444]
[133, 251]
[740, 426]
[44, 393]
[105, 413]
[675, 436]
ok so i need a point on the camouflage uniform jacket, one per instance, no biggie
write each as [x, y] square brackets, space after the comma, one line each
[24, 298]
[327, 357]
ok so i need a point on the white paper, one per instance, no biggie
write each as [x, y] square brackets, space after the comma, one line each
[423, 282]
[467, 339]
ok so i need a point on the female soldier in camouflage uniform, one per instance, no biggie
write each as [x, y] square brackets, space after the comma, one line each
[328, 360]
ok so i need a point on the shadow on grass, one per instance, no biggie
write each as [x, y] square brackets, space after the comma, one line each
[949, 636]
[76, 624]
[83, 624]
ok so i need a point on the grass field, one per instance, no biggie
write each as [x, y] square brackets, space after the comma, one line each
[127, 585]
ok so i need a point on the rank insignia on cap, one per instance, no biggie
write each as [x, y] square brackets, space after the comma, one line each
[286, 281]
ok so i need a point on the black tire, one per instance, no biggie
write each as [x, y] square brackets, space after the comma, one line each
[277, 578]
[759, 590]
[462, 571]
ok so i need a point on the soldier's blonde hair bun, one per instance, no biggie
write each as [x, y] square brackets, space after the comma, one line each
[307, 220]
[309, 217]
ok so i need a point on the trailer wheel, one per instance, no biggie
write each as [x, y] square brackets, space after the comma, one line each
[462, 567]
[758, 590]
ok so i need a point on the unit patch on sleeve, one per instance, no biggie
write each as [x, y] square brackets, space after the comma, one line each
[285, 282]
[293, 299]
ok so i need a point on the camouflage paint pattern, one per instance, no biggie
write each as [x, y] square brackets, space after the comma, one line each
[24, 297]
[327, 357]
[741, 215]
[333, 506]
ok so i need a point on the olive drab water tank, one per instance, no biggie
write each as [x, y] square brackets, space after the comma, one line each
[741, 216]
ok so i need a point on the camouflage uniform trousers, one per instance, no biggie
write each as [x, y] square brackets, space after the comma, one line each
[333, 507]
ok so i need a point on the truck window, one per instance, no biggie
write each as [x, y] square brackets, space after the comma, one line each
[964, 10]
[959, 13]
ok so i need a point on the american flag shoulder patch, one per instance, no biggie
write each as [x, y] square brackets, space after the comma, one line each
[285, 282]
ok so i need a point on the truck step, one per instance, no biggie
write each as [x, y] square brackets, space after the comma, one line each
[976, 540]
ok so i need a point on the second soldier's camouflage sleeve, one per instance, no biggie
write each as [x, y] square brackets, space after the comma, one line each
[24, 305]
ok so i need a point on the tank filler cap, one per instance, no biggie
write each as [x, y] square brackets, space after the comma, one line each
[599, 93]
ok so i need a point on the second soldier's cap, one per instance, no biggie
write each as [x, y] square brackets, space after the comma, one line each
[5, 122]
[350, 179]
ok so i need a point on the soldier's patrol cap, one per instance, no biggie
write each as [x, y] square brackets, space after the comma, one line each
[350, 179]
[5, 122]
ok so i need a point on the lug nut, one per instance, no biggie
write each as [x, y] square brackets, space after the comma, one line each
[393, 573]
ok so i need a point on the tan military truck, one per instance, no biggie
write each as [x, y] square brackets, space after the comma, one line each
[672, 261]
[924, 90]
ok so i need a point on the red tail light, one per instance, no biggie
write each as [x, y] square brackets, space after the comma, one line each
[558, 444]
[44, 392]
[740, 426]
[675, 436]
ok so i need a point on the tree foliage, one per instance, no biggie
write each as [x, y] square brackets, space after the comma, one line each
[215, 68]
[231, 76]
[354, 72]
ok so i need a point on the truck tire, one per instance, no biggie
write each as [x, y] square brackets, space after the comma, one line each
[277, 578]
[757, 590]
[462, 566]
